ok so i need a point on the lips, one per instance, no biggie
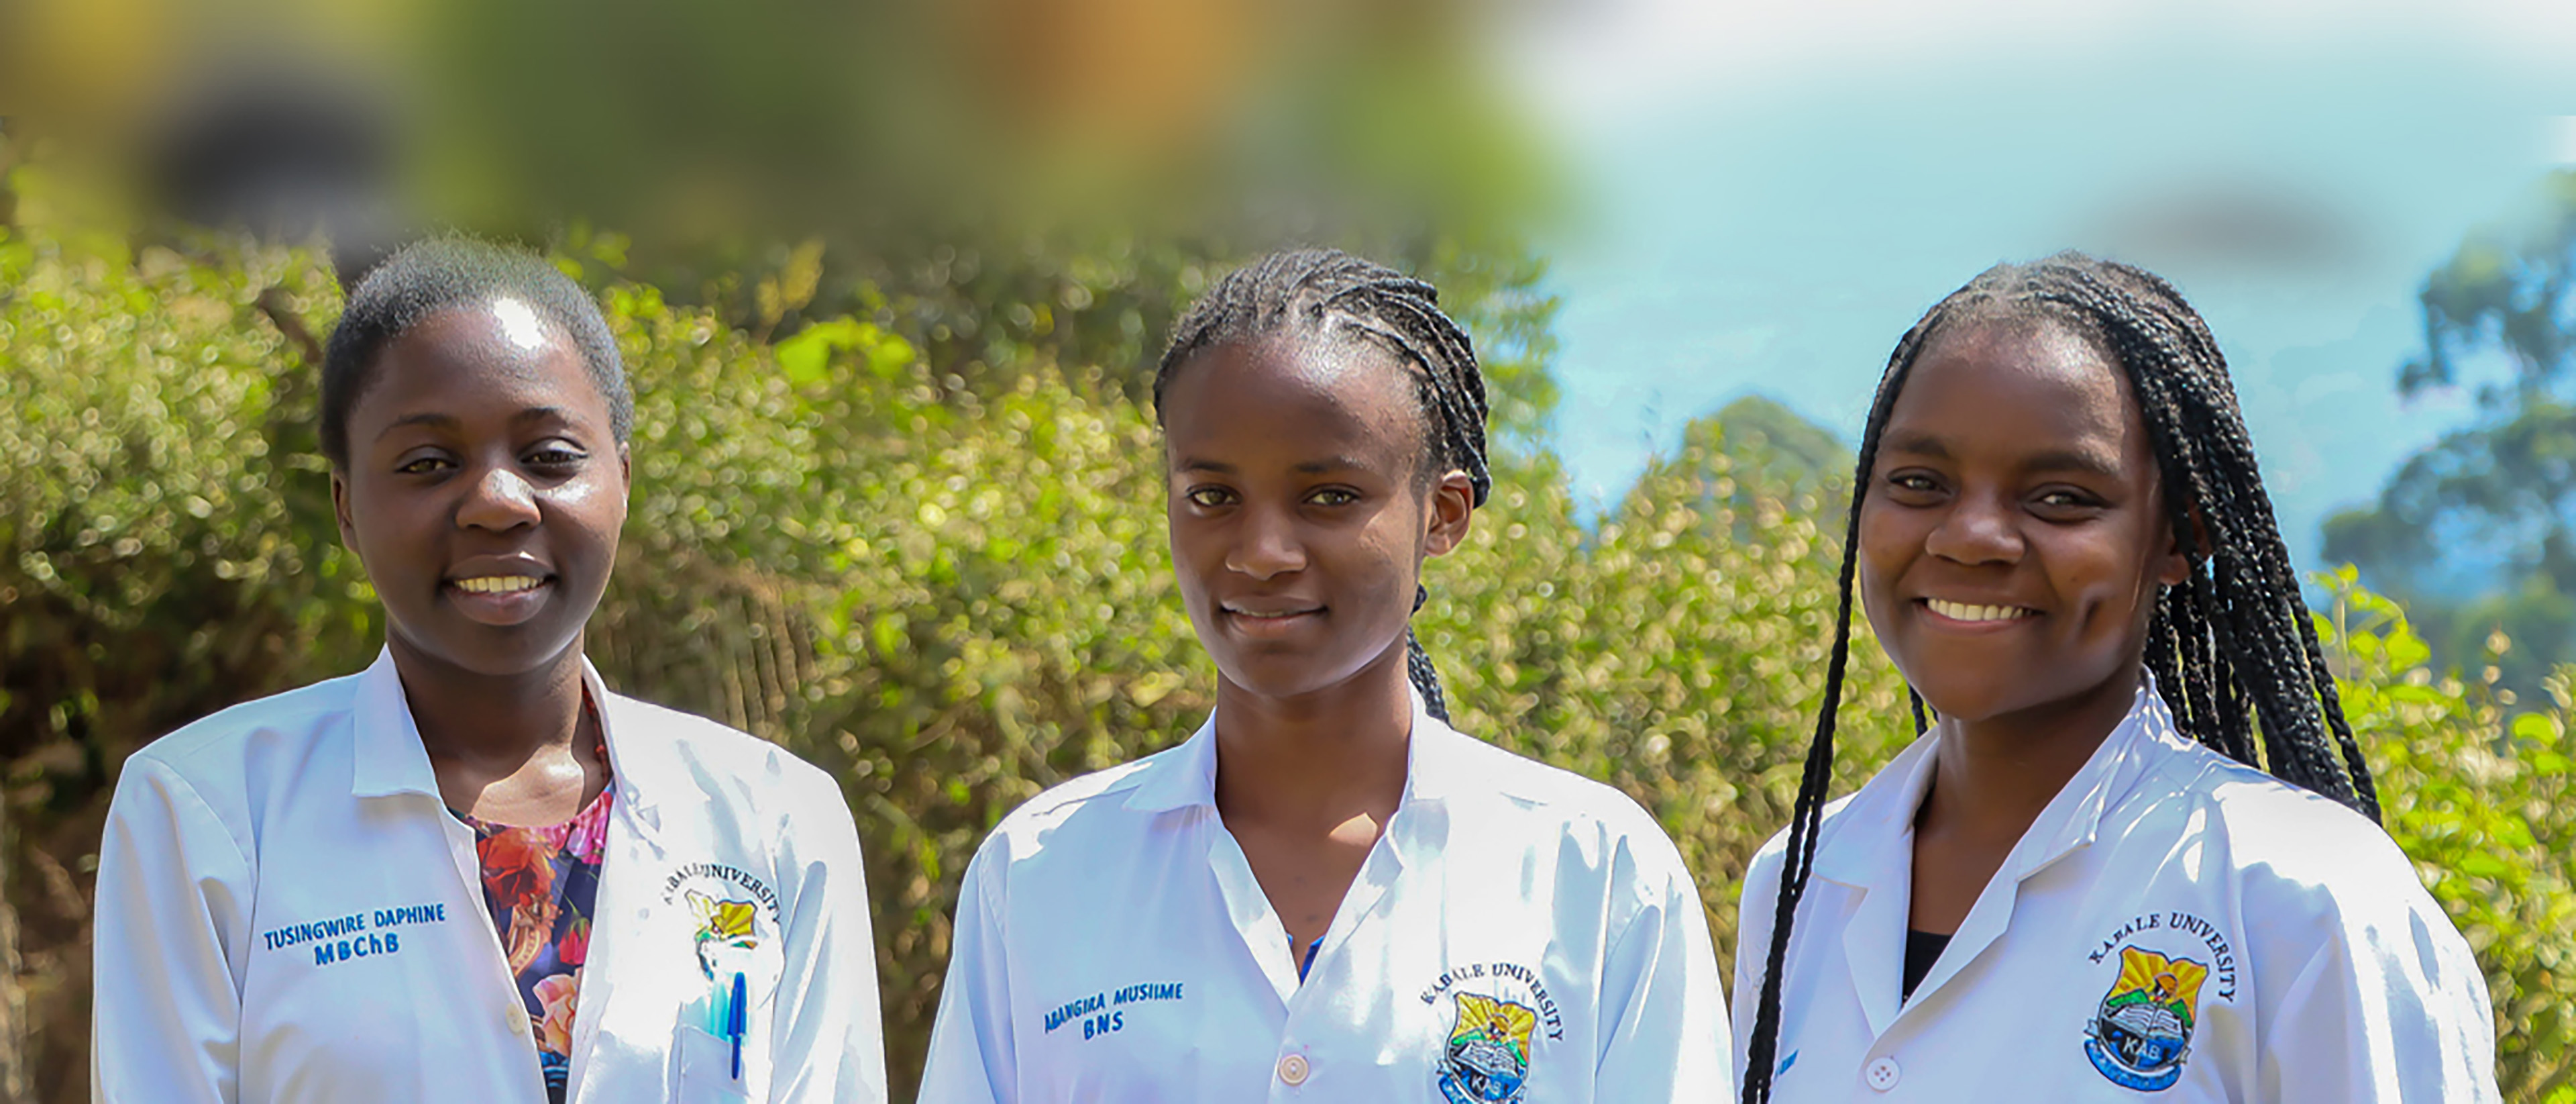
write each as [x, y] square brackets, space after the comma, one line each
[499, 584]
[499, 598]
[1973, 613]
[1270, 618]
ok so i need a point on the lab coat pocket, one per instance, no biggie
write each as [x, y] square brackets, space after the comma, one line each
[704, 1069]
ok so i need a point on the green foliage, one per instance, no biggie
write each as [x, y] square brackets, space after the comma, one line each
[2484, 801]
[2505, 484]
[951, 596]
[166, 546]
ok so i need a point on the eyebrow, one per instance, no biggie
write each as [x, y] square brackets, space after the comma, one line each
[2051, 460]
[436, 420]
[1310, 467]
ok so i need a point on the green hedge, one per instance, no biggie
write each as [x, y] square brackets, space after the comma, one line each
[953, 599]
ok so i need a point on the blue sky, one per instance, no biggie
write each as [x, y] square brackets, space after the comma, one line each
[1766, 198]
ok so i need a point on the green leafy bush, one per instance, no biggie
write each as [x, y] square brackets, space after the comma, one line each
[952, 597]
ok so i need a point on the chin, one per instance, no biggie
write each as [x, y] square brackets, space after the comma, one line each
[497, 652]
[1267, 681]
[1967, 699]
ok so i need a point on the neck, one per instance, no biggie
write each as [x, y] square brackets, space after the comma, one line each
[490, 720]
[1992, 777]
[1316, 758]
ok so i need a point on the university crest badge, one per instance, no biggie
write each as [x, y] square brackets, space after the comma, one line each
[1488, 1055]
[2142, 1032]
[724, 929]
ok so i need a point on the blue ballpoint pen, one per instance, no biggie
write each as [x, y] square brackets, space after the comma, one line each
[736, 1022]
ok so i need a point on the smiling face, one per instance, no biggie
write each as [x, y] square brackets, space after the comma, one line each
[2012, 538]
[1300, 509]
[484, 490]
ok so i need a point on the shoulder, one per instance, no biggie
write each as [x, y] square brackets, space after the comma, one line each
[2282, 844]
[724, 762]
[1762, 875]
[1499, 794]
[214, 753]
[1093, 804]
[1554, 792]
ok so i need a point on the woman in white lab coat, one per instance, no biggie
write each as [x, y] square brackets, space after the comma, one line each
[2079, 885]
[424, 881]
[1327, 892]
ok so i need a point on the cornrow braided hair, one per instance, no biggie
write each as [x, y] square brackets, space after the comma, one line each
[1329, 293]
[2233, 645]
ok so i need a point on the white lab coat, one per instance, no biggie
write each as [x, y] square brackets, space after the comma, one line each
[1113, 945]
[2174, 926]
[287, 913]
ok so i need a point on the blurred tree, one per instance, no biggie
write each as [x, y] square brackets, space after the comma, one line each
[2477, 534]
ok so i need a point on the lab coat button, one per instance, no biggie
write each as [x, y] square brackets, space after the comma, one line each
[1293, 1070]
[1883, 1073]
[514, 1016]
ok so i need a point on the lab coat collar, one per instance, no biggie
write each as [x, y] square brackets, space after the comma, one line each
[391, 759]
[1871, 850]
[1186, 776]
[1862, 849]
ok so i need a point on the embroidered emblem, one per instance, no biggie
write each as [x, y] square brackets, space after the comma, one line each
[724, 926]
[1488, 1056]
[2142, 1032]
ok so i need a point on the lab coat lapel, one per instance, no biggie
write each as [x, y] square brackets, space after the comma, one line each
[388, 762]
[2070, 821]
[1185, 783]
[1411, 835]
[641, 765]
[1871, 851]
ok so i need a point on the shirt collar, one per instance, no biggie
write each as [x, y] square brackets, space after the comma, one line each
[1185, 777]
[391, 759]
[1863, 849]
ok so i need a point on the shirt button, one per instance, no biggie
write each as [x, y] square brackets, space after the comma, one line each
[1883, 1073]
[514, 1016]
[1293, 1070]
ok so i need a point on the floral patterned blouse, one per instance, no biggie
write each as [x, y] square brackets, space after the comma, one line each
[542, 884]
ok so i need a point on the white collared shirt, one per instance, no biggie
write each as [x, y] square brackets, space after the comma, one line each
[1517, 934]
[2173, 926]
[287, 913]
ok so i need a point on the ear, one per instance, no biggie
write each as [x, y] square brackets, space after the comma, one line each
[2182, 551]
[625, 471]
[340, 508]
[1453, 508]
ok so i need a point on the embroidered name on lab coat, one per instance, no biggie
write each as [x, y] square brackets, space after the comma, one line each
[1106, 1012]
[2222, 954]
[341, 938]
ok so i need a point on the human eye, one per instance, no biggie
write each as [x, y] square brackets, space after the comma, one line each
[1209, 498]
[423, 465]
[2065, 502]
[556, 454]
[1913, 484]
[1334, 496]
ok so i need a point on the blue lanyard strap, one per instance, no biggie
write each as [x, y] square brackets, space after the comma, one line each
[1308, 963]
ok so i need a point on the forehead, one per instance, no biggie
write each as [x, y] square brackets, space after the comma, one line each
[2009, 387]
[1294, 393]
[500, 350]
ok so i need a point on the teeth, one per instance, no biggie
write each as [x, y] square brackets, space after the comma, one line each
[498, 584]
[1960, 611]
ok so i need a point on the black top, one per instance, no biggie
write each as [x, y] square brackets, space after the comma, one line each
[1922, 949]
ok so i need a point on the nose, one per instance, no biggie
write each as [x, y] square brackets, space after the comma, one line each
[499, 501]
[1977, 530]
[1267, 545]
